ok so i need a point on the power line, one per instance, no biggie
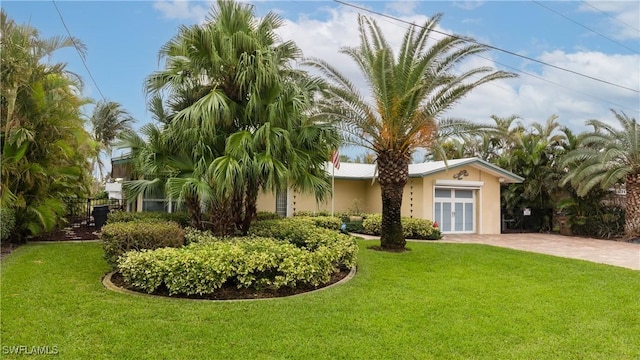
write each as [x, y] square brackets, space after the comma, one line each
[490, 47]
[75, 45]
[612, 17]
[539, 78]
[585, 27]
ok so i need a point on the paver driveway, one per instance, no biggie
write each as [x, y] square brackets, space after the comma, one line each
[600, 251]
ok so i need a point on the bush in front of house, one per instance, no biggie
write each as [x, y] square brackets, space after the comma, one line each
[7, 223]
[208, 263]
[121, 237]
[411, 227]
[301, 231]
[266, 215]
[180, 217]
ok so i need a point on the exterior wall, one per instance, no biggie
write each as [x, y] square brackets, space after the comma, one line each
[487, 198]
[347, 193]
[266, 202]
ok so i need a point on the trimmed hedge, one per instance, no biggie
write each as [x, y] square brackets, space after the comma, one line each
[411, 227]
[266, 215]
[181, 218]
[7, 223]
[120, 237]
[297, 253]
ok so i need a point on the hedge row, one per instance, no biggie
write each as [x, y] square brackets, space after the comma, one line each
[298, 253]
[121, 237]
[181, 218]
[412, 228]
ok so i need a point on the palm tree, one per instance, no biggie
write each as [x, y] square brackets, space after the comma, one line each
[609, 156]
[409, 95]
[108, 120]
[44, 145]
[236, 120]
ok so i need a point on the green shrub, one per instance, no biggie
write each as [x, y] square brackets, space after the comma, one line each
[419, 229]
[120, 237]
[7, 223]
[353, 226]
[372, 224]
[255, 262]
[412, 228]
[181, 218]
[266, 215]
[327, 222]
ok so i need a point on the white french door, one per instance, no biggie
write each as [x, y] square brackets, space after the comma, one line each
[455, 210]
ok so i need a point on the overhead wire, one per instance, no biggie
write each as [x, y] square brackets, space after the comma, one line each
[491, 47]
[75, 45]
[612, 17]
[584, 26]
[539, 78]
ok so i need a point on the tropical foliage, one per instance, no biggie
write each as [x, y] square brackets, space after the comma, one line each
[409, 94]
[608, 156]
[234, 121]
[45, 147]
[109, 119]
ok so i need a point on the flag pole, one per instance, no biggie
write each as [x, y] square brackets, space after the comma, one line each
[333, 187]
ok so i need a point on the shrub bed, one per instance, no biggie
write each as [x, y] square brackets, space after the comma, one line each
[286, 254]
[412, 228]
[181, 218]
[120, 237]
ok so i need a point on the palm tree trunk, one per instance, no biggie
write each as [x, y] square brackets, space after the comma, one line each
[250, 208]
[393, 170]
[195, 212]
[632, 212]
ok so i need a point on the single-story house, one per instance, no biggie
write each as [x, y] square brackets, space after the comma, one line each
[462, 196]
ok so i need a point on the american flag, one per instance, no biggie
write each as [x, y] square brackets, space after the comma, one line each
[335, 159]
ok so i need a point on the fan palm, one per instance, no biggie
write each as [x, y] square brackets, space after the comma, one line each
[237, 114]
[409, 95]
[609, 156]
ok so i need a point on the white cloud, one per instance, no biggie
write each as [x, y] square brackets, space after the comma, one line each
[402, 7]
[184, 10]
[624, 17]
[575, 101]
[468, 4]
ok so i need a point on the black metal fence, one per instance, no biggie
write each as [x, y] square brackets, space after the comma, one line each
[527, 220]
[82, 212]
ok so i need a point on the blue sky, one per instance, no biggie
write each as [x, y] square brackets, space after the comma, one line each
[123, 39]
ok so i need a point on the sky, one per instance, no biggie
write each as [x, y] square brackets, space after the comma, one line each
[599, 39]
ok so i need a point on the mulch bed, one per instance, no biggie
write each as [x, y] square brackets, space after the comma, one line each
[231, 292]
[70, 233]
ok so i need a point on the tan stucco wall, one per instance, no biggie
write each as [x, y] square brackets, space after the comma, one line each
[418, 196]
[266, 202]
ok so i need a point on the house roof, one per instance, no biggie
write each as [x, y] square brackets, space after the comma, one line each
[368, 171]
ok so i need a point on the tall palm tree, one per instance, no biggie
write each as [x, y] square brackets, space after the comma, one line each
[238, 116]
[609, 156]
[408, 96]
[107, 121]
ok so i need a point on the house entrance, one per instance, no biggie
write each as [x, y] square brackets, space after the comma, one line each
[455, 210]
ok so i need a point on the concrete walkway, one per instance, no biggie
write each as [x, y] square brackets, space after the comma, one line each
[609, 252]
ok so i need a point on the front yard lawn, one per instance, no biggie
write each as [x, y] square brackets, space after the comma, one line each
[436, 301]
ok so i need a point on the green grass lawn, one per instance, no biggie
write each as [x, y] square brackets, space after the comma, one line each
[440, 301]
